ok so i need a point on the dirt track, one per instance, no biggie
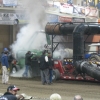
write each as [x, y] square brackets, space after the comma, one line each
[67, 89]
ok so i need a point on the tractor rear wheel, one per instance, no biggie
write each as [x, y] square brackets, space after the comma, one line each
[94, 58]
[56, 74]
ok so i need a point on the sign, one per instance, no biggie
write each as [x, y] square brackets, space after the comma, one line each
[52, 18]
[91, 12]
[65, 8]
[65, 19]
[10, 18]
[78, 20]
[7, 22]
[95, 20]
[10, 2]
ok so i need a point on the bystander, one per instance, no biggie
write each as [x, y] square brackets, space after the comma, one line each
[44, 68]
[78, 97]
[5, 68]
[55, 96]
[11, 94]
[28, 56]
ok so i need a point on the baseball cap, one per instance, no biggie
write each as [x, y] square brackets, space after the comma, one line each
[12, 87]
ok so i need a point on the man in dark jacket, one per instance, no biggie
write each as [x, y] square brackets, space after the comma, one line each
[5, 66]
[11, 93]
[51, 65]
[44, 68]
[28, 56]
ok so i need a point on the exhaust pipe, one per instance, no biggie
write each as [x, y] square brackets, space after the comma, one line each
[78, 38]
[59, 28]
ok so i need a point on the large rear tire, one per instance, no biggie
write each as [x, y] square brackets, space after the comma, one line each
[56, 74]
[94, 58]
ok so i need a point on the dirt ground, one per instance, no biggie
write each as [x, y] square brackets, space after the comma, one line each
[67, 89]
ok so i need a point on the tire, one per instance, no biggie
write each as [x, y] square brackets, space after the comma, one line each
[94, 58]
[56, 74]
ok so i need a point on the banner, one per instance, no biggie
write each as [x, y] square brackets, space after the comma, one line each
[10, 2]
[91, 12]
[65, 8]
[78, 20]
[93, 19]
[65, 19]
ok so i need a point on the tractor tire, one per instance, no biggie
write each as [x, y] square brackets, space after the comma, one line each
[94, 58]
[56, 75]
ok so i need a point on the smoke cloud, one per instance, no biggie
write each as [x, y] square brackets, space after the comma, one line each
[28, 37]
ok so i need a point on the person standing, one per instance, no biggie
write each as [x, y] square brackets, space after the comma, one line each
[98, 5]
[5, 67]
[28, 56]
[64, 63]
[78, 97]
[44, 68]
[13, 66]
[51, 65]
[55, 96]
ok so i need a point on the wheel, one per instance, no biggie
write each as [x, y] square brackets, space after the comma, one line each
[94, 58]
[56, 74]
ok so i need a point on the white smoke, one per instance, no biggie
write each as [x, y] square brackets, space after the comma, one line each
[28, 37]
[63, 53]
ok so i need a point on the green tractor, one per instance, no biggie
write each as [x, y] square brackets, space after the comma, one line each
[34, 69]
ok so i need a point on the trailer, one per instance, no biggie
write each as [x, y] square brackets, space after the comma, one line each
[80, 68]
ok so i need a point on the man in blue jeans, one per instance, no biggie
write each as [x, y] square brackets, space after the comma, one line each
[28, 56]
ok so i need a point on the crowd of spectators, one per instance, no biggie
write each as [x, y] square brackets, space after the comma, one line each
[12, 90]
[91, 3]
